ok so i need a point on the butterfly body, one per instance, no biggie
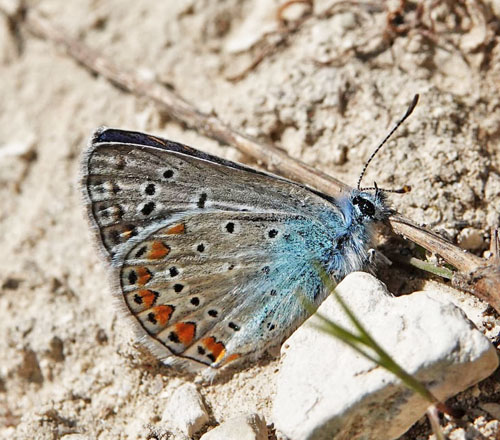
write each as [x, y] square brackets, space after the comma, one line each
[210, 257]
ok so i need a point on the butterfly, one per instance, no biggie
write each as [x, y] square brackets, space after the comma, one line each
[210, 258]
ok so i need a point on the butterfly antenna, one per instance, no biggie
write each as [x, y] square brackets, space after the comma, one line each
[408, 112]
[403, 190]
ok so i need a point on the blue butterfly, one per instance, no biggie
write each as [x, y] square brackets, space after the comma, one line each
[209, 257]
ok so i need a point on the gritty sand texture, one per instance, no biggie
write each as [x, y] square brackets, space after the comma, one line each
[68, 363]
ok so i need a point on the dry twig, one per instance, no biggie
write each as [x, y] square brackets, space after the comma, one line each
[479, 276]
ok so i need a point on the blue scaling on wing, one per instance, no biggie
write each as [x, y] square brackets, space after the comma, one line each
[334, 239]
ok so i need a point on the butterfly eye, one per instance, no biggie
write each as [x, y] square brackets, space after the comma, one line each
[365, 206]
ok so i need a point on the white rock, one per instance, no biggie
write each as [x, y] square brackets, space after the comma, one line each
[249, 427]
[185, 410]
[326, 390]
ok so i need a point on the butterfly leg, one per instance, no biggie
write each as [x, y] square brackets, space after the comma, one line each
[375, 258]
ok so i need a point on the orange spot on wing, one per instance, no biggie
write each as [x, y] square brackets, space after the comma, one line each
[127, 231]
[158, 250]
[216, 348]
[143, 275]
[185, 332]
[163, 314]
[126, 234]
[148, 297]
[230, 358]
[176, 229]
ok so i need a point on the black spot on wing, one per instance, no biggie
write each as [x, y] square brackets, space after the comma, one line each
[148, 208]
[202, 200]
[168, 174]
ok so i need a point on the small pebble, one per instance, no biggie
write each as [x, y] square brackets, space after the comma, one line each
[185, 410]
[249, 427]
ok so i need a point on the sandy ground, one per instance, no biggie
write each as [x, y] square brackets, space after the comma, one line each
[68, 364]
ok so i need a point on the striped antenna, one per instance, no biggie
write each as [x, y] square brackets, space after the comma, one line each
[408, 113]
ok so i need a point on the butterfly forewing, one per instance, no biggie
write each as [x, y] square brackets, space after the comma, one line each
[129, 187]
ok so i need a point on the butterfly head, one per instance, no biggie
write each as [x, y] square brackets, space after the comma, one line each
[368, 206]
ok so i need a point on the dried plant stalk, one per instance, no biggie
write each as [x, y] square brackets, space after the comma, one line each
[476, 275]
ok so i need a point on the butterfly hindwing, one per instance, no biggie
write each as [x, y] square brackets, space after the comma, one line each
[217, 286]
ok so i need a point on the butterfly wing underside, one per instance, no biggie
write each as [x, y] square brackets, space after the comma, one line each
[209, 257]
